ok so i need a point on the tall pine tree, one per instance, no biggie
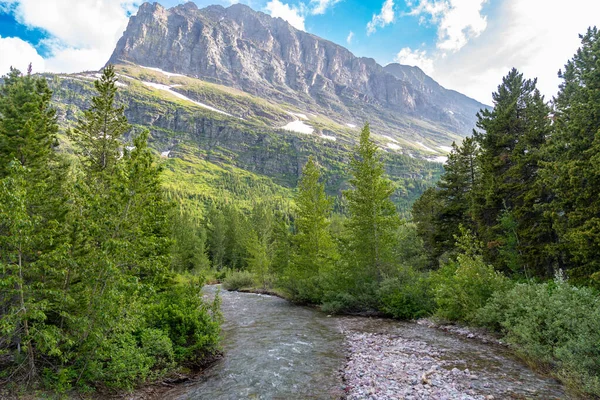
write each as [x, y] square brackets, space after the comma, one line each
[28, 124]
[572, 170]
[373, 217]
[509, 138]
[97, 135]
[314, 250]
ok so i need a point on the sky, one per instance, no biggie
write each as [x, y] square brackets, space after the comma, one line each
[466, 45]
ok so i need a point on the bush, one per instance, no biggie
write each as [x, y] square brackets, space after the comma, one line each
[351, 300]
[302, 289]
[407, 296]
[338, 303]
[125, 364]
[237, 280]
[555, 324]
[462, 287]
[192, 325]
[156, 344]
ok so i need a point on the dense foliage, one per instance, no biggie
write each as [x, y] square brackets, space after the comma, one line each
[525, 185]
[87, 296]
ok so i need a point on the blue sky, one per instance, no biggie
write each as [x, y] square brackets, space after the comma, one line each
[466, 45]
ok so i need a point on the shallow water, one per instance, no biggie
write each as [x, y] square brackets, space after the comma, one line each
[275, 350]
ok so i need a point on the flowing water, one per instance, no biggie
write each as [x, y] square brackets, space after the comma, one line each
[275, 350]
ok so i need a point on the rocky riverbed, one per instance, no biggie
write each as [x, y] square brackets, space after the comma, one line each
[396, 360]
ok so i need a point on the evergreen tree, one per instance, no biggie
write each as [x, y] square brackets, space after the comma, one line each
[217, 237]
[509, 138]
[572, 168]
[439, 213]
[189, 247]
[235, 237]
[28, 124]
[314, 248]
[426, 212]
[259, 245]
[373, 218]
[97, 135]
[282, 242]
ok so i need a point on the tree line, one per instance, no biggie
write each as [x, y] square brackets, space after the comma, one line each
[526, 182]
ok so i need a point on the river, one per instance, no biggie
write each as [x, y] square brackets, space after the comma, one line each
[276, 350]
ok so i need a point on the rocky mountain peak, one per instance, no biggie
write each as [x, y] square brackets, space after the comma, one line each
[249, 50]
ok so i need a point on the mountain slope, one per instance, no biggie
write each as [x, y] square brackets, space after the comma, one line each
[267, 57]
[236, 102]
[213, 157]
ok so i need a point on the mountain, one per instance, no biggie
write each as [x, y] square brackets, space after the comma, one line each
[236, 102]
[267, 57]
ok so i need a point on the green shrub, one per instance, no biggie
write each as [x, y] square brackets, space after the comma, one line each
[353, 301]
[555, 324]
[302, 289]
[407, 296]
[156, 344]
[236, 280]
[120, 363]
[338, 303]
[192, 325]
[463, 286]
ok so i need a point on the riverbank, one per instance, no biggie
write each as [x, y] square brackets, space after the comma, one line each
[389, 359]
[426, 359]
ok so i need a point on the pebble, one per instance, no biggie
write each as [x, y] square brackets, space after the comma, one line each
[383, 367]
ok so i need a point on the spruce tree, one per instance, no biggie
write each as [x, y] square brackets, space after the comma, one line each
[509, 137]
[426, 212]
[456, 194]
[98, 134]
[28, 124]
[373, 218]
[314, 248]
[572, 170]
[217, 238]
[312, 239]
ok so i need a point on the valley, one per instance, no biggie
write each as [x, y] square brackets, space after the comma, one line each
[234, 207]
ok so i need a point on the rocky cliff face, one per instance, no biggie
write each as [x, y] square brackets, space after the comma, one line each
[266, 56]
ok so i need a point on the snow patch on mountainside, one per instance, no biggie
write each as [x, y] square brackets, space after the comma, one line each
[329, 137]
[447, 149]
[439, 159]
[298, 115]
[298, 126]
[179, 95]
[427, 148]
[393, 146]
[351, 126]
[391, 139]
[169, 74]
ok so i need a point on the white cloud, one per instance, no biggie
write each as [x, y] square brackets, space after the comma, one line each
[84, 32]
[385, 17]
[350, 37]
[18, 54]
[288, 13]
[417, 58]
[320, 6]
[458, 20]
[535, 36]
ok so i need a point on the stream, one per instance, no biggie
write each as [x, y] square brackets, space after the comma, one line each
[276, 350]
